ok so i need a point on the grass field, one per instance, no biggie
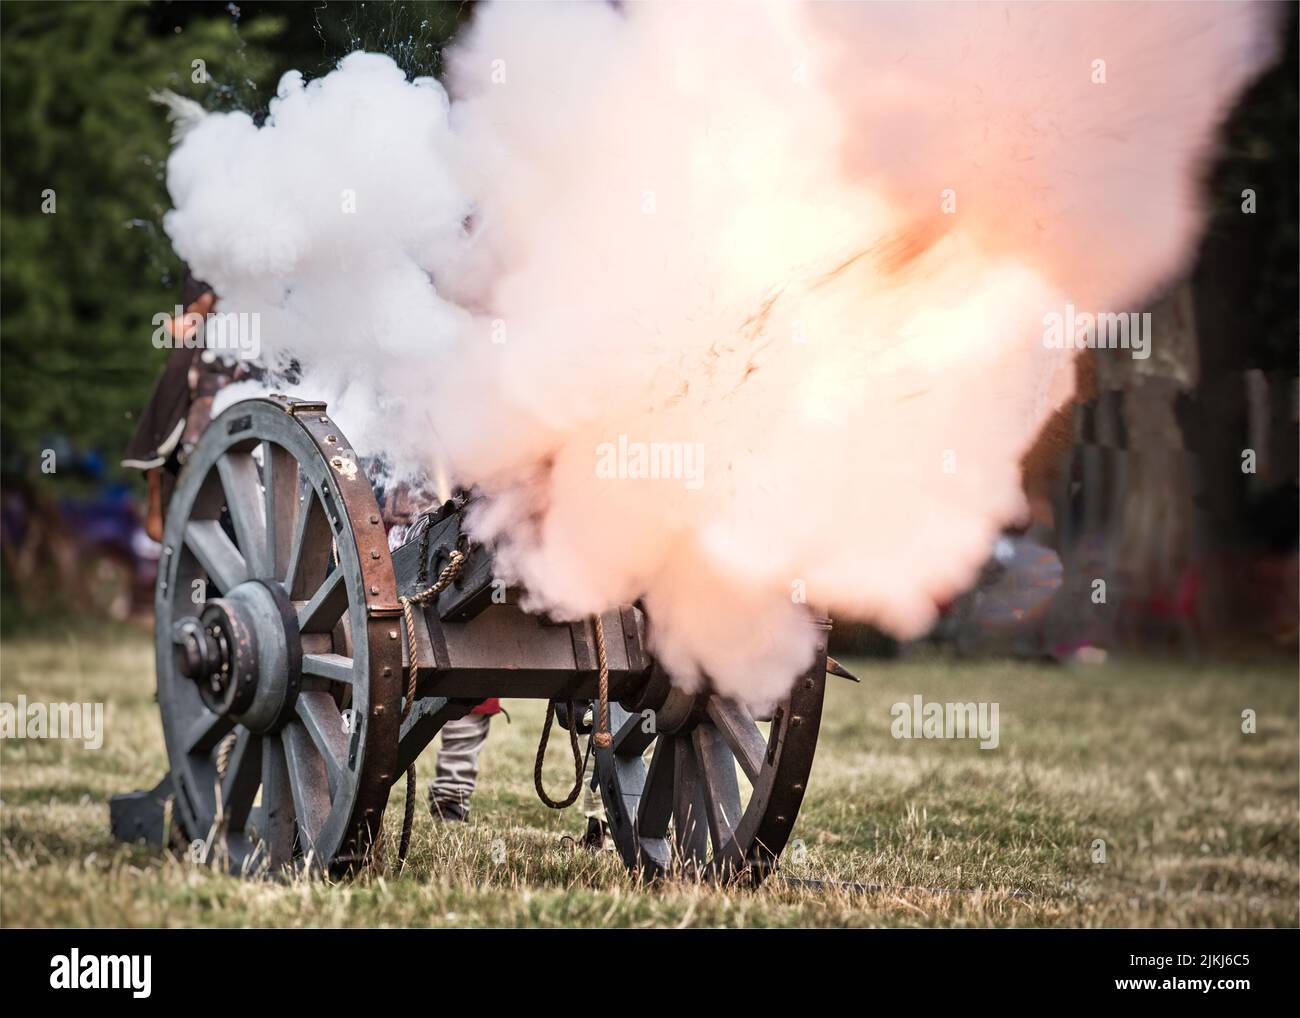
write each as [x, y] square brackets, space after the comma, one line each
[1199, 820]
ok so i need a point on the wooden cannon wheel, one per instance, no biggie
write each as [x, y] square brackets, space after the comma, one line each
[280, 679]
[719, 796]
[277, 637]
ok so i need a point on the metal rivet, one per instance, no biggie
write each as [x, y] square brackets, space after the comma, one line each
[323, 420]
[374, 554]
[392, 634]
[374, 517]
[797, 788]
[379, 709]
[374, 590]
[330, 439]
[795, 721]
[780, 820]
[387, 672]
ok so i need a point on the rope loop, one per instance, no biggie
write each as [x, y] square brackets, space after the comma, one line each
[445, 579]
[579, 764]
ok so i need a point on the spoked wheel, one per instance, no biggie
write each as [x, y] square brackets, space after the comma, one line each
[279, 663]
[720, 793]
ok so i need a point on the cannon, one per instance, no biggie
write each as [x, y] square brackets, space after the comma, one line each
[302, 667]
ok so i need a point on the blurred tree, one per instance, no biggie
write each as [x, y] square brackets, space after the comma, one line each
[83, 264]
[313, 37]
[1246, 299]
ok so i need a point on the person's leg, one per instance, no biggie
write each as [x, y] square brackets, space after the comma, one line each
[593, 807]
[456, 771]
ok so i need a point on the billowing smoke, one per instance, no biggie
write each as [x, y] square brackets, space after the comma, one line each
[724, 308]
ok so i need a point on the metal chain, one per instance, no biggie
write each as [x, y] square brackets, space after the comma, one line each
[445, 578]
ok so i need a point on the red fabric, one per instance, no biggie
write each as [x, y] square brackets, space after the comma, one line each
[489, 706]
[1179, 603]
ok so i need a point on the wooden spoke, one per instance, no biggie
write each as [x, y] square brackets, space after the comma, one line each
[691, 797]
[324, 723]
[240, 483]
[280, 479]
[310, 550]
[690, 830]
[309, 782]
[203, 734]
[722, 795]
[334, 667]
[741, 734]
[283, 567]
[326, 607]
[656, 806]
[243, 776]
[277, 811]
[216, 553]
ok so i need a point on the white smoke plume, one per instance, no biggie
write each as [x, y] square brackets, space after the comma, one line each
[809, 249]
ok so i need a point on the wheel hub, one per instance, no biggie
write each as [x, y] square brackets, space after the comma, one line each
[674, 711]
[244, 654]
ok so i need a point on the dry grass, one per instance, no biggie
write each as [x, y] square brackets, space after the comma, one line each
[1199, 819]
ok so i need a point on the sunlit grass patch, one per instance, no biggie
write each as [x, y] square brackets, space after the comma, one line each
[1198, 821]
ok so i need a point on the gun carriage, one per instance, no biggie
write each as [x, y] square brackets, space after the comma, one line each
[295, 690]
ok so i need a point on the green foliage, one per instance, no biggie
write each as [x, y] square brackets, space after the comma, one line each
[81, 284]
[414, 33]
[1250, 260]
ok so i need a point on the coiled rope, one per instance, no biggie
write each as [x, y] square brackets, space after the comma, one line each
[600, 738]
[224, 748]
[445, 578]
